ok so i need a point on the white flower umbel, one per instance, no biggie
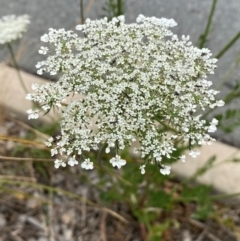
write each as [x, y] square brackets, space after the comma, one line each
[139, 82]
[12, 27]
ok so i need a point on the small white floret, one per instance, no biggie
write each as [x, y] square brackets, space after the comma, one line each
[117, 162]
[107, 150]
[58, 163]
[43, 50]
[87, 164]
[32, 114]
[44, 38]
[121, 18]
[183, 158]
[194, 154]
[165, 170]
[142, 168]
[72, 161]
[220, 103]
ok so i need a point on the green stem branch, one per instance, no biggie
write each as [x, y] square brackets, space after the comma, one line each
[119, 7]
[81, 12]
[17, 68]
[224, 196]
[206, 32]
[228, 45]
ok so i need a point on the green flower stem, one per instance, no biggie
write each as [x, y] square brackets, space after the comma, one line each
[206, 32]
[81, 12]
[228, 159]
[119, 7]
[228, 45]
[204, 116]
[224, 196]
[100, 152]
[166, 126]
[229, 73]
[17, 68]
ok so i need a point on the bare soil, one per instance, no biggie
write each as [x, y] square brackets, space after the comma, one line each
[40, 203]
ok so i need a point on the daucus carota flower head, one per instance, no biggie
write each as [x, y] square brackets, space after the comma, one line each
[139, 82]
[12, 27]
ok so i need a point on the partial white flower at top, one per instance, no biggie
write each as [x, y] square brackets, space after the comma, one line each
[33, 114]
[12, 27]
[165, 170]
[87, 164]
[142, 168]
[134, 80]
[72, 161]
[117, 162]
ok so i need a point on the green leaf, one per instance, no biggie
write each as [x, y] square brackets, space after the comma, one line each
[203, 211]
[157, 230]
[160, 199]
[200, 171]
[199, 194]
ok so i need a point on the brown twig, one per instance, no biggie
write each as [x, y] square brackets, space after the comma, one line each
[114, 214]
[38, 133]
[205, 228]
[197, 223]
[7, 158]
[24, 142]
[202, 235]
[143, 231]
[19, 178]
[16, 237]
[84, 210]
[69, 194]
[212, 237]
[103, 227]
